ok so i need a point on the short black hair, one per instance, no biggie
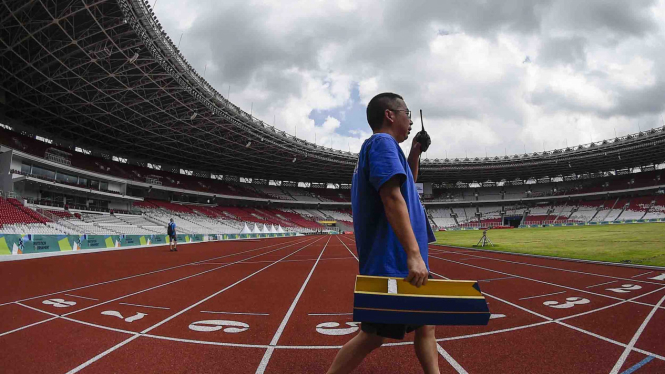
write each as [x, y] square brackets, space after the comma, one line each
[378, 105]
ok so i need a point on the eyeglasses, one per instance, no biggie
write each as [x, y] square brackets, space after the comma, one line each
[408, 112]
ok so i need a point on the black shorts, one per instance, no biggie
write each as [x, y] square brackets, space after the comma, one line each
[173, 238]
[387, 330]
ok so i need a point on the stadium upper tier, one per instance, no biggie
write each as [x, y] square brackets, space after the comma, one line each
[104, 76]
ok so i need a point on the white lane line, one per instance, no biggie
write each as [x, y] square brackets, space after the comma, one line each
[239, 313]
[92, 360]
[450, 359]
[480, 334]
[146, 306]
[266, 356]
[37, 310]
[494, 279]
[612, 305]
[330, 314]
[265, 261]
[601, 284]
[558, 321]
[630, 345]
[547, 294]
[100, 326]
[81, 297]
[144, 274]
[348, 249]
[639, 275]
[26, 326]
[75, 320]
[543, 282]
[204, 342]
[165, 284]
[177, 280]
[558, 269]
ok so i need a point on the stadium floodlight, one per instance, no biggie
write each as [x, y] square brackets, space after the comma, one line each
[193, 116]
[248, 144]
[134, 58]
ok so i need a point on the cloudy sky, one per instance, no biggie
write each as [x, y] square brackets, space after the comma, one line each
[490, 76]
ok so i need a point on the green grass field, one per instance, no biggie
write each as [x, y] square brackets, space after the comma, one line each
[642, 244]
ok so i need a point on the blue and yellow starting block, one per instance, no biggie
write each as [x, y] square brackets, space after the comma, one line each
[439, 302]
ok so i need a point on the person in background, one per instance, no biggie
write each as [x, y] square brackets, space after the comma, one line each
[173, 239]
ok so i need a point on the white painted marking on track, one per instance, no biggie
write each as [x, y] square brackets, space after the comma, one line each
[151, 272]
[231, 327]
[625, 288]
[497, 316]
[184, 278]
[639, 275]
[330, 314]
[146, 306]
[115, 313]
[81, 297]
[659, 277]
[59, 303]
[544, 282]
[348, 249]
[630, 345]
[494, 279]
[92, 360]
[238, 313]
[333, 329]
[27, 326]
[558, 321]
[266, 356]
[601, 284]
[550, 267]
[547, 294]
[570, 302]
[450, 359]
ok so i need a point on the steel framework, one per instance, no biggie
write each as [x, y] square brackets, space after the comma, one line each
[104, 75]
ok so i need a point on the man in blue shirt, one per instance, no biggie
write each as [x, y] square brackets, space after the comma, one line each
[390, 225]
[173, 238]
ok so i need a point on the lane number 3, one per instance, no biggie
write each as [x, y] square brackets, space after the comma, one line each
[570, 302]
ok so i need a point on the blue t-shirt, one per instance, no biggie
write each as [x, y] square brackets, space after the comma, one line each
[379, 251]
[172, 228]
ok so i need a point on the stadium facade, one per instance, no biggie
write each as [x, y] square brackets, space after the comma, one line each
[102, 113]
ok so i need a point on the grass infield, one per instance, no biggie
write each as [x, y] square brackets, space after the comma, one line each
[642, 244]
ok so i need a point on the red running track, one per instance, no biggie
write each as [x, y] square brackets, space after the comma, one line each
[284, 306]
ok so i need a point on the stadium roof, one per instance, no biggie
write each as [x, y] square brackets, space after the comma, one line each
[104, 75]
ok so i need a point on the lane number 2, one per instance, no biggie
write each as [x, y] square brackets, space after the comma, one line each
[570, 302]
[114, 313]
[625, 288]
[659, 277]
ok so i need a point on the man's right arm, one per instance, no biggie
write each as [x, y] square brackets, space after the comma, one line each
[398, 217]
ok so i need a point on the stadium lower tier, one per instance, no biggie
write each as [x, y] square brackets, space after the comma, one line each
[607, 210]
[152, 217]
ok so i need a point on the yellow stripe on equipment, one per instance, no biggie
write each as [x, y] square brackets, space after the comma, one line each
[439, 302]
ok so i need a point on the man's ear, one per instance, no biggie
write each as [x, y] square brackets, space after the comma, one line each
[389, 115]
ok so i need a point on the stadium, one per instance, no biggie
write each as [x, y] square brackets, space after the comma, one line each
[107, 132]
